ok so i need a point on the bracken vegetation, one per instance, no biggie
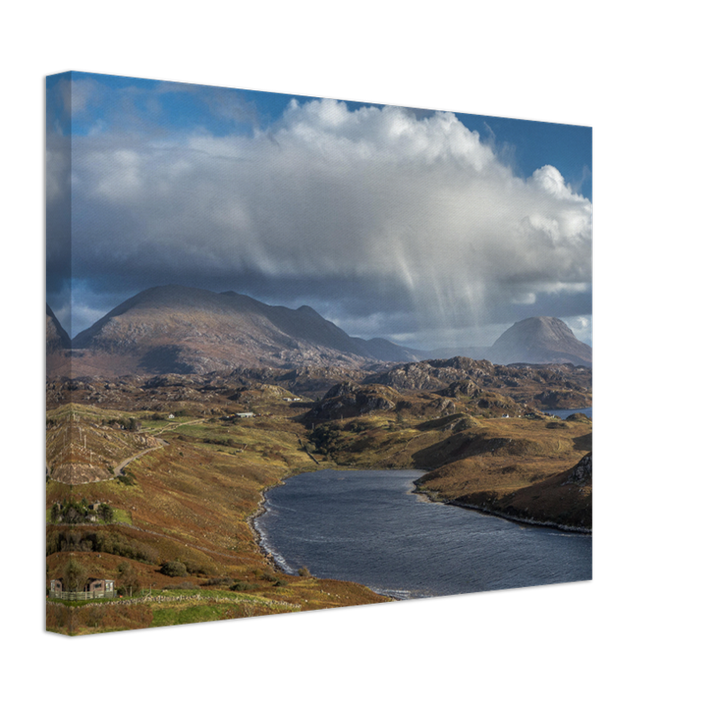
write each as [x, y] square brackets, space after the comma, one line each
[173, 528]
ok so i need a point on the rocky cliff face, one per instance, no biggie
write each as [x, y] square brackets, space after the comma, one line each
[581, 473]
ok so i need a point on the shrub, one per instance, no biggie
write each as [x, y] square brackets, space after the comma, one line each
[273, 579]
[195, 568]
[106, 513]
[73, 513]
[109, 543]
[556, 425]
[326, 438]
[243, 587]
[304, 572]
[128, 581]
[74, 576]
[127, 478]
[174, 568]
[215, 581]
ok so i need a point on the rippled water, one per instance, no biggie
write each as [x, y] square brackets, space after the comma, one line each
[563, 414]
[368, 527]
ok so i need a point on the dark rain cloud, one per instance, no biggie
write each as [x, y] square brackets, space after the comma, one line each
[402, 223]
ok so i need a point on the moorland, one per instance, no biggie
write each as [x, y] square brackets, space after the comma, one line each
[153, 480]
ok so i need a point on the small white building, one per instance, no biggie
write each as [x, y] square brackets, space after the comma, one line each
[244, 414]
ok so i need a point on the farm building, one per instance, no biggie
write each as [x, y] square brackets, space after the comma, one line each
[94, 589]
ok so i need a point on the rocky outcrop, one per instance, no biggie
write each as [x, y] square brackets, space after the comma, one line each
[350, 400]
[434, 374]
[581, 473]
[560, 400]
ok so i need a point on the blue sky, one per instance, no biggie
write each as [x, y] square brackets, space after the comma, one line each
[430, 228]
[525, 144]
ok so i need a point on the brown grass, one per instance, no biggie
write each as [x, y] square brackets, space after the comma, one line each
[521, 474]
[192, 501]
[194, 496]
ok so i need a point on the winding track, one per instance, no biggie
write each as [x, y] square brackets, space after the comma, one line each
[172, 426]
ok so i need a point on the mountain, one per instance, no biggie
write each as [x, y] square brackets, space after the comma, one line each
[540, 340]
[56, 338]
[174, 329]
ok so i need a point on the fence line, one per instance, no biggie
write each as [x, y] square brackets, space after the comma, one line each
[82, 596]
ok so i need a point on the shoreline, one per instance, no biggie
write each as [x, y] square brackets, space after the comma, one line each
[257, 535]
[265, 552]
[505, 516]
[423, 496]
[523, 521]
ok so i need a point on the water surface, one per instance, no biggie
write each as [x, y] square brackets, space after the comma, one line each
[368, 527]
[563, 414]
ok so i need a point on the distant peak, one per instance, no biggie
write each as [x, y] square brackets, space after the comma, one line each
[305, 309]
[540, 320]
[540, 340]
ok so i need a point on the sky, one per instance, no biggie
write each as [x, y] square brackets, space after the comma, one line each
[430, 228]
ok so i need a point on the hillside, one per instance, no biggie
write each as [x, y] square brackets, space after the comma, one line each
[541, 473]
[550, 386]
[173, 329]
[84, 445]
[544, 387]
[185, 330]
[188, 501]
[180, 474]
[56, 338]
[540, 340]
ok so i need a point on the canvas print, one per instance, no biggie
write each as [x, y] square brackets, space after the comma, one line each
[306, 353]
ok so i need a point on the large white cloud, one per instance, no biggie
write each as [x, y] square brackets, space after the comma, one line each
[381, 198]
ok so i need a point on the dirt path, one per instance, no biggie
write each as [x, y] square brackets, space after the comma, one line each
[171, 426]
[175, 425]
[118, 469]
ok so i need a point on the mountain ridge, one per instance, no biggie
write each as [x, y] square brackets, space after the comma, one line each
[183, 330]
[56, 338]
[178, 329]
